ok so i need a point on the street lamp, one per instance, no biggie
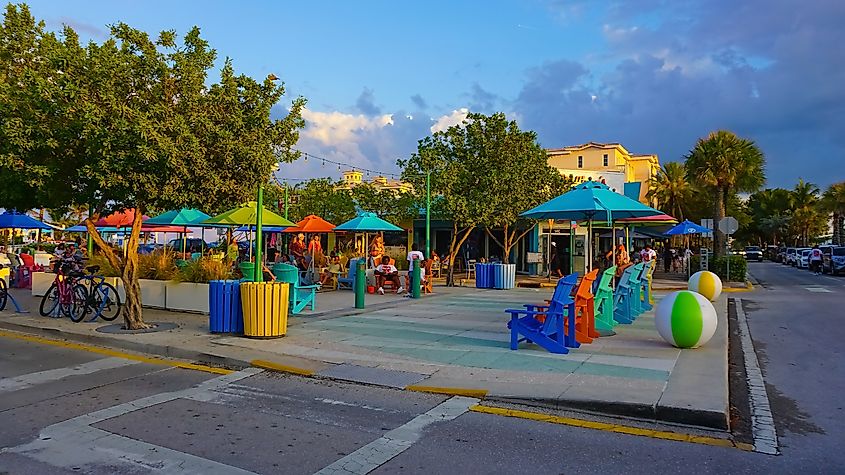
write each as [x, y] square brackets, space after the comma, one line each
[428, 214]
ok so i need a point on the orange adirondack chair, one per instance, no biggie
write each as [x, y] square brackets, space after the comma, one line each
[585, 323]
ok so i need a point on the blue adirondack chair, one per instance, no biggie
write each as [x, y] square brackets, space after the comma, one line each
[622, 311]
[348, 282]
[549, 333]
[635, 284]
[301, 296]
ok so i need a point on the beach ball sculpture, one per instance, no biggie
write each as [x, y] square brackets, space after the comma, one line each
[707, 284]
[685, 319]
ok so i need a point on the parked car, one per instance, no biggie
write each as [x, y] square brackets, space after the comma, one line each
[833, 260]
[781, 256]
[753, 253]
[789, 257]
[192, 245]
[771, 252]
[802, 260]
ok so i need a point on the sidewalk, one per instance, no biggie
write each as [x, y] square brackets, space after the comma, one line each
[454, 341]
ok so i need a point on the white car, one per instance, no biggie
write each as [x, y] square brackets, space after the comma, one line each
[803, 262]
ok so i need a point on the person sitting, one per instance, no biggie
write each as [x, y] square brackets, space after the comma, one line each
[386, 272]
[297, 248]
[331, 273]
[622, 259]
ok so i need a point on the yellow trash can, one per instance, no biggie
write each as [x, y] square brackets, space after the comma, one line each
[265, 307]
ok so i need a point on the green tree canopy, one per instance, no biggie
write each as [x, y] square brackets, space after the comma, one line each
[133, 122]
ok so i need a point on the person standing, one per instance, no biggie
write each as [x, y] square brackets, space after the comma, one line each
[668, 256]
[648, 254]
[816, 260]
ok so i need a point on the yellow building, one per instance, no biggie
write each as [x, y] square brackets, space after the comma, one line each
[608, 162]
[353, 178]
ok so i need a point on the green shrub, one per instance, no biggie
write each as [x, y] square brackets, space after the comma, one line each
[158, 265]
[203, 270]
[718, 265]
[106, 269]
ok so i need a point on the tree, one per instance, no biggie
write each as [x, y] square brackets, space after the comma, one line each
[394, 207]
[484, 172]
[671, 190]
[135, 125]
[807, 219]
[723, 164]
[321, 197]
[771, 210]
[833, 202]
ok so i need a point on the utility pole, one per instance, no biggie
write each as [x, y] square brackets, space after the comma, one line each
[259, 211]
[428, 214]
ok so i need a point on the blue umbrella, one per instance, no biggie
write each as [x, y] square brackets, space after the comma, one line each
[367, 222]
[686, 227]
[15, 220]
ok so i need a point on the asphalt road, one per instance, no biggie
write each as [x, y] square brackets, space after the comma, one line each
[65, 410]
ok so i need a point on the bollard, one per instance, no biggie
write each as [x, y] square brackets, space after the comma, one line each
[360, 282]
[415, 278]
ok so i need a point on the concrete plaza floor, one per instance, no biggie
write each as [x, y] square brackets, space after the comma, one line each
[454, 340]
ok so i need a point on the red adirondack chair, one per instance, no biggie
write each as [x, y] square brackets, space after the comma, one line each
[585, 316]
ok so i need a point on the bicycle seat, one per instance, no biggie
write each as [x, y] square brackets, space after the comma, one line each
[93, 269]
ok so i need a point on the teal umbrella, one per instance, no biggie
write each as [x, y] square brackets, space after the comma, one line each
[591, 201]
[367, 222]
[182, 217]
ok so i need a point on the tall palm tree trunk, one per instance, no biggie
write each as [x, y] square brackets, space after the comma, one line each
[718, 215]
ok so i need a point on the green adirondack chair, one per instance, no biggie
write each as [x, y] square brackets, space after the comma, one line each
[637, 289]
[604, 303]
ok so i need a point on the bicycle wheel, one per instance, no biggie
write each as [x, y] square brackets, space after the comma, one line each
[78, 305]
[107, 301]
[49, 301]
[4, 294]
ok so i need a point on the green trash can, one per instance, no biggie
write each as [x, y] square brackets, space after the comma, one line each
[248, 271]
[285, 273]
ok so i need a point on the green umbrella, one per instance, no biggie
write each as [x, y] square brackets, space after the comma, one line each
[245, 215]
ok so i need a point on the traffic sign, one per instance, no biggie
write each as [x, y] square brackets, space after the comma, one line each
[728, 225]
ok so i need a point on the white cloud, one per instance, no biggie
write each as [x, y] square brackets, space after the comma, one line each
[445, 121]
[332, 128]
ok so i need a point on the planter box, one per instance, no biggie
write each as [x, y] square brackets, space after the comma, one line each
[186, 297]
[152, 293]
[41, 281]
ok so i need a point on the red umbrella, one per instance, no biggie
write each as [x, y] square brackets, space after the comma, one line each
[119, 219]
[312, 224]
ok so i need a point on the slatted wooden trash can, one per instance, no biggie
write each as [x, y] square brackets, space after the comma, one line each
[225, 311]
[265, 308]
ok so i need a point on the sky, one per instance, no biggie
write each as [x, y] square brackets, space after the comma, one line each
[654, 75]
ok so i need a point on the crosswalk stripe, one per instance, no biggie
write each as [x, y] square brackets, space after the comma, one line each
[24, 381]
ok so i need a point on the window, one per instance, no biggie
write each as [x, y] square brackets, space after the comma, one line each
[580, 161]
[605, 160]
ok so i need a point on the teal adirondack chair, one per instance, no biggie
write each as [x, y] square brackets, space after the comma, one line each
[301, 296]
[549, 334]
[622, 311]
[604, 303]
[635, 285]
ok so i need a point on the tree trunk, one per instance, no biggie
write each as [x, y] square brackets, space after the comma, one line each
[453, 251]
[718, 215]
[132, 311]
[510, 240]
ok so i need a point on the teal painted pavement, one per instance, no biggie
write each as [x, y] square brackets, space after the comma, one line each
[470, 331]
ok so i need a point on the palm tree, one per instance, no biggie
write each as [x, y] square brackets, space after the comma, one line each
[724, 164]
[833, 202]
[805, 211]
[771, 210]
[670, 189]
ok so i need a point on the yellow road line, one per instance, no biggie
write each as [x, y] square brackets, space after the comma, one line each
[114, 353]
[617, 428]
[280, 367]
[468, 392]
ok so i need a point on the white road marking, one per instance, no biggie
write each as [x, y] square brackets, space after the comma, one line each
[24, 381]
[818, 289]
[762, 422]
[74, 443]
[380, 451]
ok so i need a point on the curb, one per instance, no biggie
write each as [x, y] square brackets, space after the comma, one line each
[705, 419]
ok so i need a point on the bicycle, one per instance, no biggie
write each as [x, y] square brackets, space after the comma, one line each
[4, 293]
[102, 297]
[66, 294]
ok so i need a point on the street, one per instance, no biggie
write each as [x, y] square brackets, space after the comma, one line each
[68, 410]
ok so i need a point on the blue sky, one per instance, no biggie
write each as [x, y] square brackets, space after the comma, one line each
[652, 74]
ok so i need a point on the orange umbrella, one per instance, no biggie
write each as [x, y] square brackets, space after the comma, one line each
[311, 224]
[120, 219]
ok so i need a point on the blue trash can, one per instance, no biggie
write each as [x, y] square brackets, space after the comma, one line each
[225, 313]
[498, 276]
[482, 276]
